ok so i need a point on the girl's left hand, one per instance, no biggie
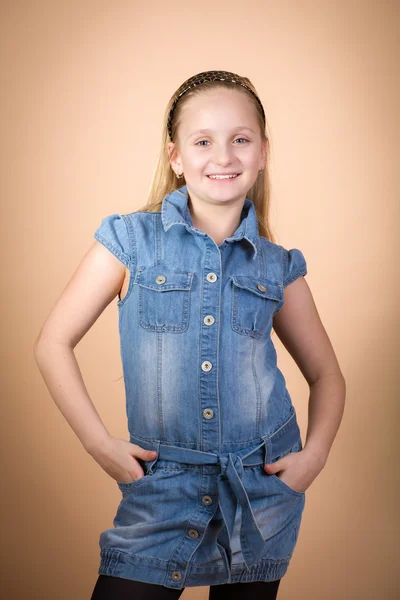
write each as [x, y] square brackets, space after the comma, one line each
[297, 469]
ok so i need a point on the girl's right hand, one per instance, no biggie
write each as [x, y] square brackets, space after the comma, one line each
[118, 459]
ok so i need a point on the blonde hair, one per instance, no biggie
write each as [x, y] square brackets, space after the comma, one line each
[164, 180]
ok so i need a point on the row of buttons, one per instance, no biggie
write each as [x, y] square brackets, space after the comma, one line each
[208, 413]
[193, 533]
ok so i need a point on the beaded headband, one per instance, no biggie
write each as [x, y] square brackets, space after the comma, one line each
[202, 78]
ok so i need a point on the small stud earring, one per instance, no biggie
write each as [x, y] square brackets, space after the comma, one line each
[179, 176]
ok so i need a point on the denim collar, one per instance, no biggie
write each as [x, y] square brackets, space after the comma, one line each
[175, 211]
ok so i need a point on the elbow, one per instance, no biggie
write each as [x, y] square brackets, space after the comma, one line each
[44, 344]
[37, 349]
[35, 345]
[39, 341]
[40, 345]
[336, 374]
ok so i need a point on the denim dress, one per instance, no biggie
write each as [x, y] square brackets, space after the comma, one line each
[203, 389]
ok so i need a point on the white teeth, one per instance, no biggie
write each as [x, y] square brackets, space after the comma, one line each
[222, 176]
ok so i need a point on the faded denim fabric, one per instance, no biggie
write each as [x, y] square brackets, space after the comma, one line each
[202, 389]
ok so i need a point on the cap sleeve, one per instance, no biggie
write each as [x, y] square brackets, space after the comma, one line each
[113, 234]
[295, 265]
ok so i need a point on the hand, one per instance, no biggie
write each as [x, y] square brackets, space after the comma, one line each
[297, 469]
[117, 458]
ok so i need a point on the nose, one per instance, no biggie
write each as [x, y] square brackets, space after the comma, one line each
[223, 155]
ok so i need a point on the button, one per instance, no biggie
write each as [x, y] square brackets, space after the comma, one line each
[193, 533]
[208, 320]
[208, 413]
[206, 365]
[211, 277]
[262, 288]
[160, 279]
[207, 500]
[176, 575]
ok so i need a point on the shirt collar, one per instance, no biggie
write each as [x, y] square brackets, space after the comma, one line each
[175, 211]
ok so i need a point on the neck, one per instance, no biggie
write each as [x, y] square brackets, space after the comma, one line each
[218, 221]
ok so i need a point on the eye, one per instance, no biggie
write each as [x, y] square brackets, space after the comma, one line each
[199, 142]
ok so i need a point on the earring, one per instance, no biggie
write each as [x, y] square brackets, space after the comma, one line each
[179, 176]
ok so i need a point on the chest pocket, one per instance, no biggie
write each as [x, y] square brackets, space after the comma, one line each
[164, 298]
[254, 303]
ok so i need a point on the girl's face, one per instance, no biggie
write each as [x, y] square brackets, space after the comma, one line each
[230, 144]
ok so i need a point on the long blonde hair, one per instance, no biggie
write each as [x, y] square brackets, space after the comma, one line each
[164, 180]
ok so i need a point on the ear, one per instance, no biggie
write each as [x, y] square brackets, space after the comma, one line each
[264, 150]
[174, 157]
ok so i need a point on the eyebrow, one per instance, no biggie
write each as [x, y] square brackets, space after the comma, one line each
[209, 130]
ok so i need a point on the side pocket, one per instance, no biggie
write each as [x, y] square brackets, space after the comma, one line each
[283, 485]
[127, 487]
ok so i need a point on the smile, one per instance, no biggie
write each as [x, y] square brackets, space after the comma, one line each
[233, 176]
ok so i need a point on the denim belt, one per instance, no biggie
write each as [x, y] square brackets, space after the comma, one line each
[231, 464]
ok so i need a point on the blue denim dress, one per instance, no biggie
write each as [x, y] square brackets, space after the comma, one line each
[202, 389]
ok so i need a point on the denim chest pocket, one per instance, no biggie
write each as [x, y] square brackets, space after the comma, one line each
[254, 302]
[164, 298]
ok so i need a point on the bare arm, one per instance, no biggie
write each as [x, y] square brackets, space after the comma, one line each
[301, 331]
[95, 283]
[93, 286]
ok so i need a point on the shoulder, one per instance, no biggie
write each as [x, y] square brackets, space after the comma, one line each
[115, 232]
[119, 231]
[293, 262]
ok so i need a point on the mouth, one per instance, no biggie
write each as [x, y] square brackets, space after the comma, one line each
[226, 177]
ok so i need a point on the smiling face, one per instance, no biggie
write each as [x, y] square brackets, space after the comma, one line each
[229, 143]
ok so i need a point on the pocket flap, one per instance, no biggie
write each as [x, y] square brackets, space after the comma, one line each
[268, 290]
[161, 278]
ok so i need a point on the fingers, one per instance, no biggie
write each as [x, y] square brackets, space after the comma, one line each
[144, 454]
[140, 455]
[273, 467]
[278, 465]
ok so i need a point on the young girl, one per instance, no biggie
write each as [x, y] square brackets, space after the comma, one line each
[214, 475]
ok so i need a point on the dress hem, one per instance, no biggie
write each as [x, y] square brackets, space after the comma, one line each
[177, 576]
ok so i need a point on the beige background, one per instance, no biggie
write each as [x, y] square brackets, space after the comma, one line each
[83, 87]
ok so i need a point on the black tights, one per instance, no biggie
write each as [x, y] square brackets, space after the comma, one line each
[116, 588]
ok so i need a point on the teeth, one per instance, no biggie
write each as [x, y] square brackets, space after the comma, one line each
[222, 176]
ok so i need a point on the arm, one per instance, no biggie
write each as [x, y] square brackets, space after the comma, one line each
[301, 331]
[95, 283]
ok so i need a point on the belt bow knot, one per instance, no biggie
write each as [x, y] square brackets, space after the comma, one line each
[230, 480]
